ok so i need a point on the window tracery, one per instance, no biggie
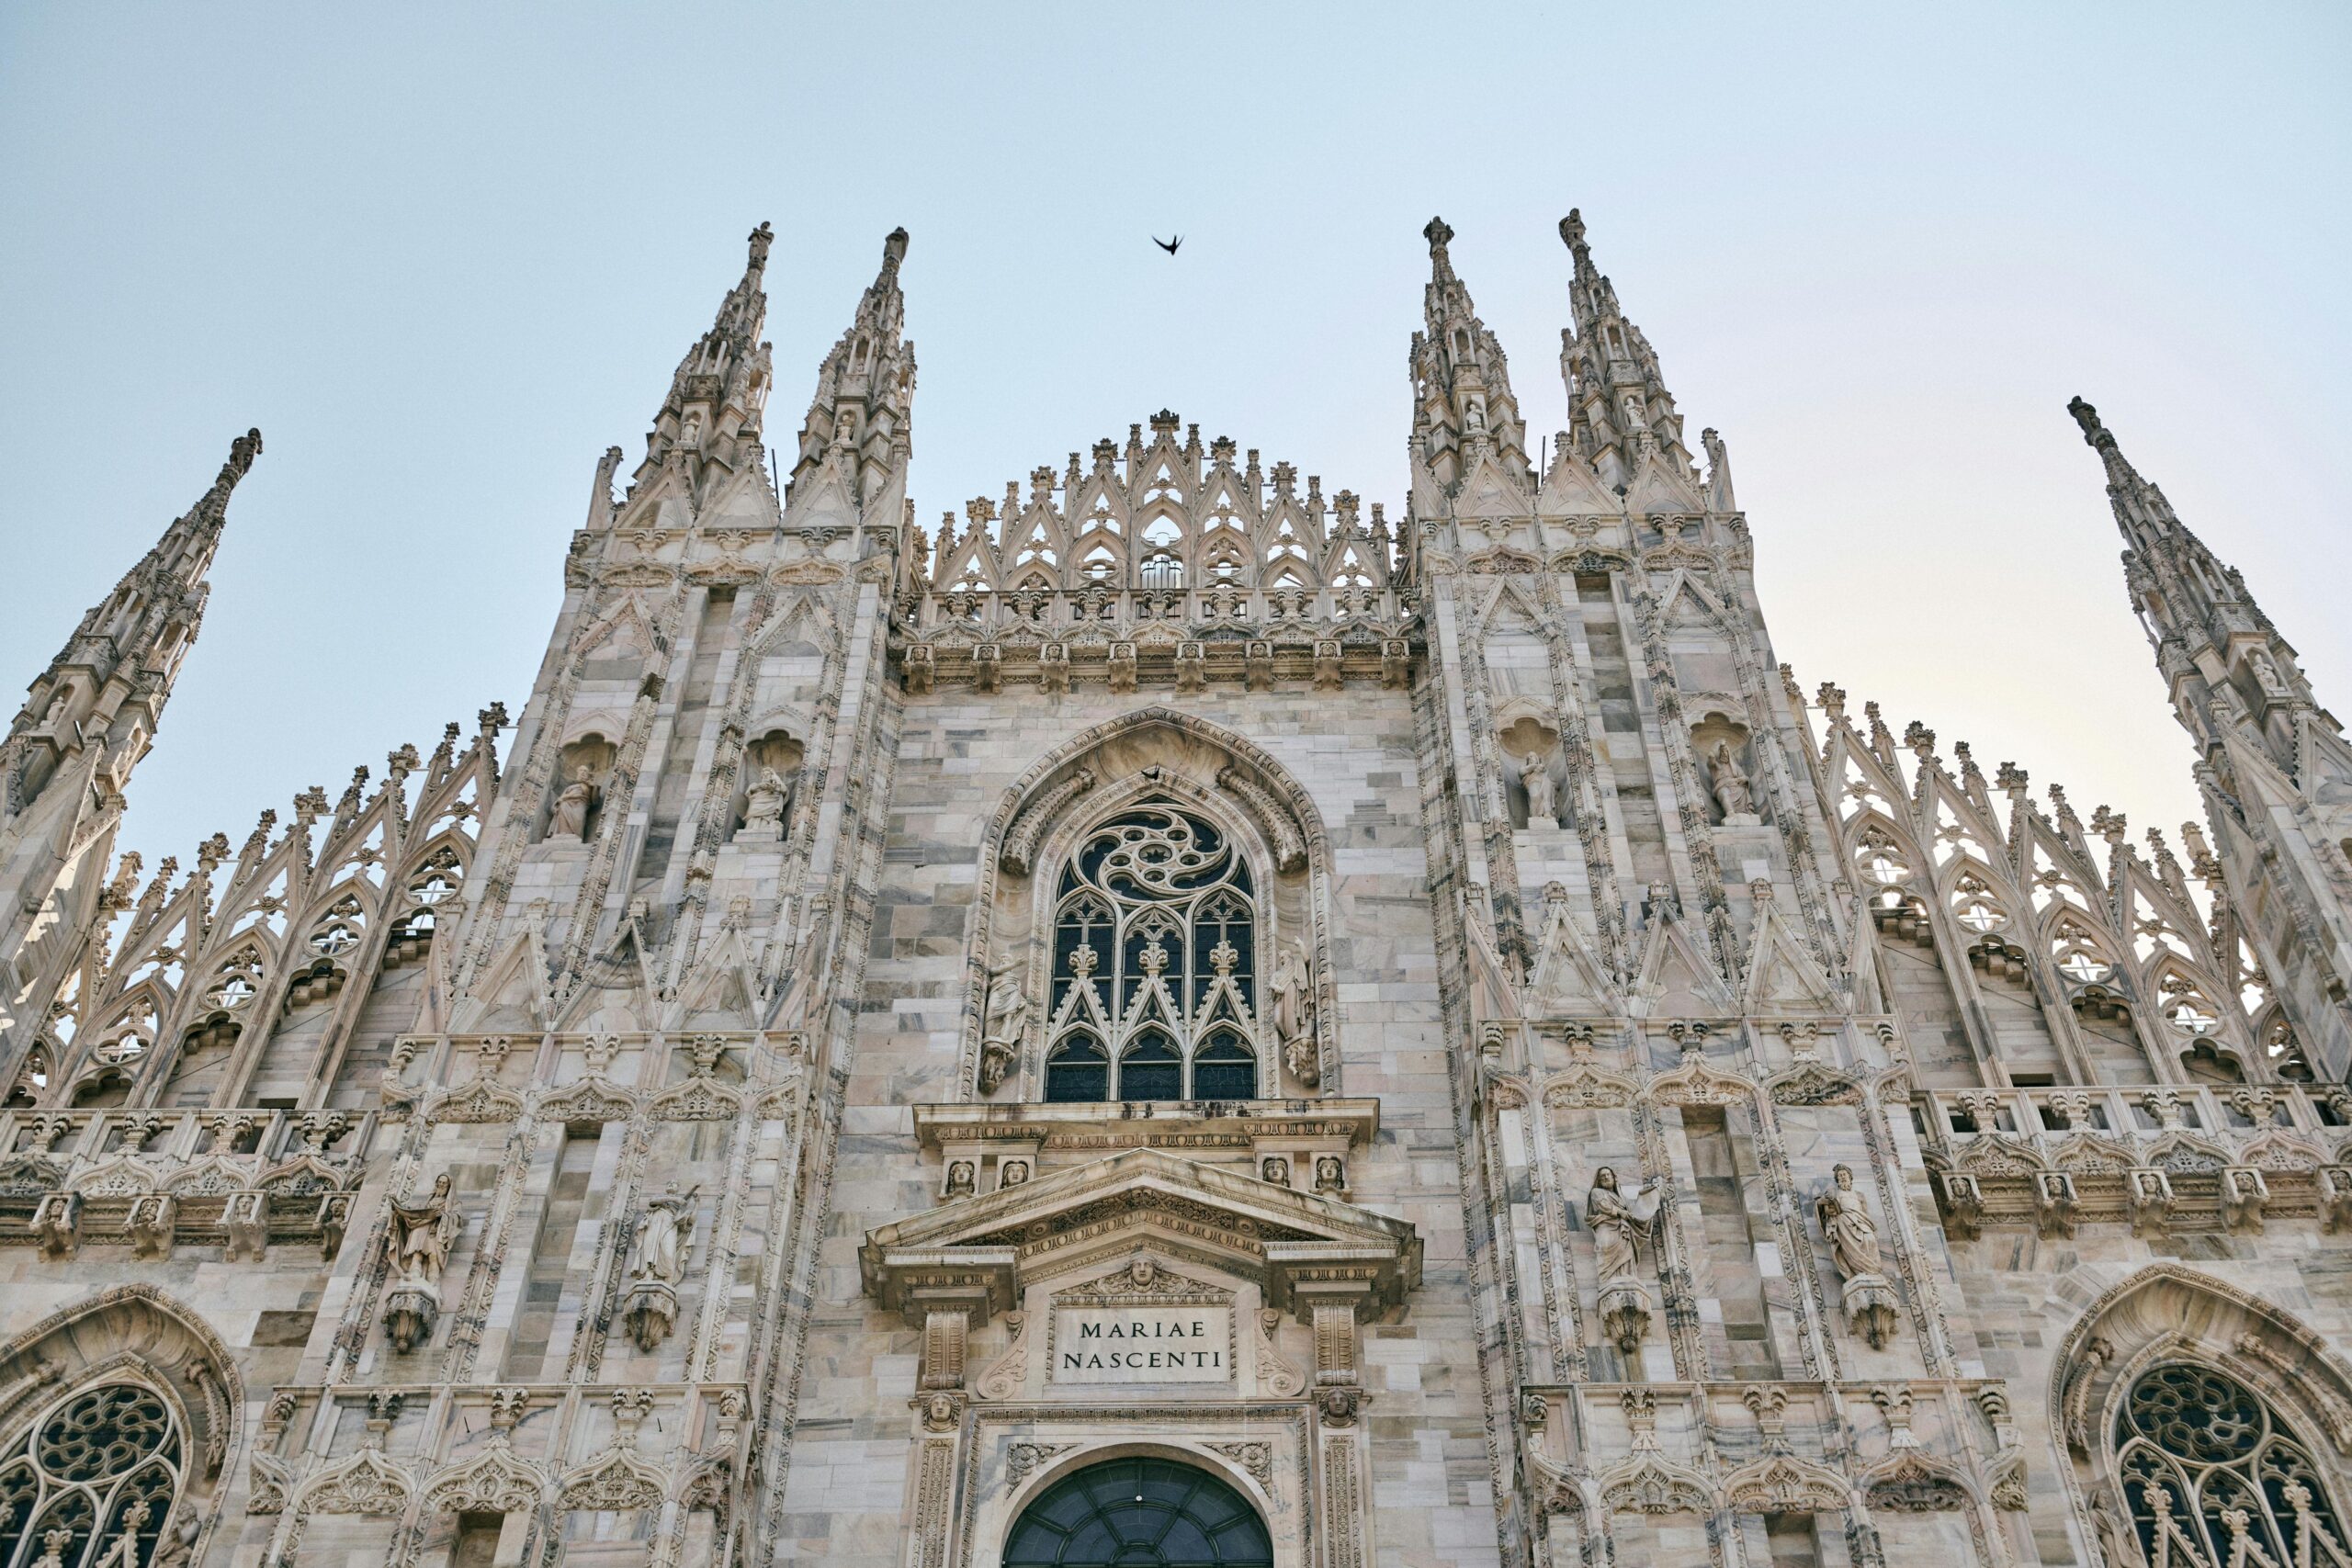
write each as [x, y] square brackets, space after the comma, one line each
[99, 1469]
[2208, 1471]
[1153, 969]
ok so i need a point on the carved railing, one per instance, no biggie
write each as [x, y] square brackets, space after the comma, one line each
[155, 1179]
[1155, 636]
[2157, 1156]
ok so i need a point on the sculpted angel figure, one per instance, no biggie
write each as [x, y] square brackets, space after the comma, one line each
[570, 819]
[421, 1234]
[1732, 792]
[1853, 1234]
[1617, 1222]
[664, 1231]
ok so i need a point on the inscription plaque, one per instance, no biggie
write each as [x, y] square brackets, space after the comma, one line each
[1154, 1344]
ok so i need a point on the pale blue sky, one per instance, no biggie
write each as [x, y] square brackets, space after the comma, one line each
[445, 257]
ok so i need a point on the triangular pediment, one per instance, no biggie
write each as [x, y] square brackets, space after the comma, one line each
[1658, 488]
[1781, 976]
[1489, 491]
[1572, 489]
[1676, 982]
[511, 993]
[1570, 981]
[983, 1250]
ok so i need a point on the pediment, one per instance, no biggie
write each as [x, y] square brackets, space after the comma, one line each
[984, 1250]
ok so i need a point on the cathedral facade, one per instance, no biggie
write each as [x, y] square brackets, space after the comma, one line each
[1177, 1020]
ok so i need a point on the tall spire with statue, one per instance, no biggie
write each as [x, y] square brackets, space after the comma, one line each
[87, 720]
[2272, 765]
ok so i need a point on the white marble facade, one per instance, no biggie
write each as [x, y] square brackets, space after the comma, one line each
[1419, 1025]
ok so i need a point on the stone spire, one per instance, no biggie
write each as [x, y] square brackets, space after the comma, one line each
[1618, 404]
[1463, 405]
[87, 720]
[107, 687]
[2208, 631]
[710, 421]
[859, 425]
[2273, 765]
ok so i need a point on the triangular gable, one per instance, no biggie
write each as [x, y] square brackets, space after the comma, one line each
[1488, 490]
[1675, 981]
[1781, 976]
[986, 1249]
[720, 991]
[1658, 488]
[511, 992]
[616, 994]
[2326, 762]
[1572, 489]
[1570, 981]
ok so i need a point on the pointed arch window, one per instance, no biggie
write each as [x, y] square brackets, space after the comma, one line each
[98, 1469]
[1154, 989]
[2209, 1471]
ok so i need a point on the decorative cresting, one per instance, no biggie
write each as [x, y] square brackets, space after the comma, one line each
[2205, 1427]
[116, 1415]
[1152, 923]
[1147, 1513]
[1163, 515]
[2210, 1475]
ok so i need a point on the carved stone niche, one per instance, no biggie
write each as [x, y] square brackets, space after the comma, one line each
[767, 788]
[1525, 738]
[1727, 769]
[570, 816]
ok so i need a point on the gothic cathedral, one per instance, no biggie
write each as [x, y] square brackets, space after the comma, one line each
[1175, 1020]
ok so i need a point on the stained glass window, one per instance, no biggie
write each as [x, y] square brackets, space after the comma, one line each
[98, 1470]
[1153, 964]
[2204, 1464]
[1139, 1513]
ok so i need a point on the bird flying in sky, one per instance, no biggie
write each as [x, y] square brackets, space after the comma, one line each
[1168, 245]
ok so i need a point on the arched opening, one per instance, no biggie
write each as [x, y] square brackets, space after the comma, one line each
[2208, 1470]
[1154, 955]
[95, 1469]
[1139, 1513]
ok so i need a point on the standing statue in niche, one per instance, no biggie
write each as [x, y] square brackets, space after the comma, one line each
[1732, 791]
[1618, 1223]
[1004, 1026]
[764, 805]
[1290, 1007]
[664, 1231]
[417, 1240]
[1852, 1234]
[657, 1263]
[1535, 774]
[570, 819]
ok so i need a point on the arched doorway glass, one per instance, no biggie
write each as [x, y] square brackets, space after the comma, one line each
[1139, 1513]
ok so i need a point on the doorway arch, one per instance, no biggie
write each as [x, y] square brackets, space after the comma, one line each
[1139, 1512]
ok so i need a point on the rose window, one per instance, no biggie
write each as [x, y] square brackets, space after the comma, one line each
[99, 1472]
